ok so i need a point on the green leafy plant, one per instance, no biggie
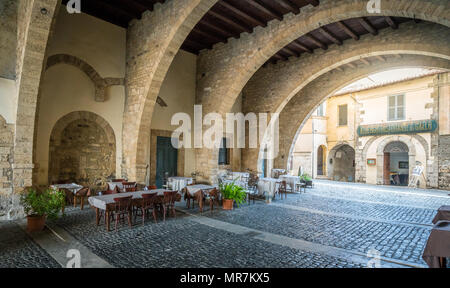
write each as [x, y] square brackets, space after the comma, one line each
[234, 192]
[305, 177]
[46, 203]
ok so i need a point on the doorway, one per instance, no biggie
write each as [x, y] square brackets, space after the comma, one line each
[396, 164]
[321, 160]
[166, 160]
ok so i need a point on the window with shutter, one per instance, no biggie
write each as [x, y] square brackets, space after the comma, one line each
[342, 112]
[396, 107]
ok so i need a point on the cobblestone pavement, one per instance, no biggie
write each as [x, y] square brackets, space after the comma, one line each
[17, 250]
[182, 243]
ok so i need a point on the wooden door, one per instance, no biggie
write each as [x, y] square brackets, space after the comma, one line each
[166, 160]
[387, 168]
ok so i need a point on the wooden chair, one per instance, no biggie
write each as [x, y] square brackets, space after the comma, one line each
[169, 203]
[118, 180]
[188, 197]
[142, 206]
[152, 187]
[213, 196]
[109, 191]
[129, 186]
[81, 194]
[282, 190]
[252, 189]
[122, 207]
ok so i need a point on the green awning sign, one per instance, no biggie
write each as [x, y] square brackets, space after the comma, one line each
[421, 126]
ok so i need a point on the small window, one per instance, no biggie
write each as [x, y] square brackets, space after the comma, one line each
[321, 110]
[396, 107]
[342, 115]
[224, 153]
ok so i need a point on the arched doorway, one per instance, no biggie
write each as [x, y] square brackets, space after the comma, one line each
[82, 150]
[342, 163]
[321, 160]
[396, 164]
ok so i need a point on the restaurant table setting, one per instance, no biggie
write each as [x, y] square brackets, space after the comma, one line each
[268, 187]
[74, 188]
[178, 183]
[112, 185]
[442, 214]
[438, 245]
[292, 181]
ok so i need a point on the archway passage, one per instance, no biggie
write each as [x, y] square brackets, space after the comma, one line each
[82, 150]
[342, 163]
[396, 164]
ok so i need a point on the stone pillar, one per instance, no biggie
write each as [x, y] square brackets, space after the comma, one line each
[152, 43]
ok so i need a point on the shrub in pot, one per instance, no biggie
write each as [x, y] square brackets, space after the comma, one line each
[39, 206]
[232, 193]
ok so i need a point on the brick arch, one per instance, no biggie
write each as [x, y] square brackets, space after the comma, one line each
[224, 71]
[152, 43]
[99, 147]
[294, 115]
[100, 83]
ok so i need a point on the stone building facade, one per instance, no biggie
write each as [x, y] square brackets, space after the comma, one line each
[356, 154]
[54, 64]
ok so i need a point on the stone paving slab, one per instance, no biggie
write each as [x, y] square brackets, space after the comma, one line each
[182, 242]
[18, 250]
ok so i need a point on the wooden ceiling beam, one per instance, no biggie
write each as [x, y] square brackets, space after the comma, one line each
[381, 58]
[216, 28]
[351, 65]
[242, 14]
[347, 30]
[314, 3]
[316, 41]
[290, 52]
[289, 5]
[330, 36]
[215, 38]
[301, 46]
[230, 21]
[365, 61]
[391, 22]
[262, 7]
[366, 24]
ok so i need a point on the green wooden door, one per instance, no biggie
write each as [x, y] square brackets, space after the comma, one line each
[166, 159]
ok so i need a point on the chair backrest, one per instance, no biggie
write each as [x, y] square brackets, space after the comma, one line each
[84, 192]
[122, 203]
[213, 193]
[109, 191]
[283, 186]
[129, 186]
[152, 187]
[118, 180]
[169, 196]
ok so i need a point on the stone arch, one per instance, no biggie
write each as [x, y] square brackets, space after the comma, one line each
[381, 149]
[152, 44]
[294, 115]
[332, 159]
[87, 141]
[273, 87]
[100, 83]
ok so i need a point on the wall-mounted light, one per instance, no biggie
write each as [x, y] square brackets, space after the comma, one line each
[44, 11]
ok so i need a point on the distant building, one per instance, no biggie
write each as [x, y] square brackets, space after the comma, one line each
[379, 134]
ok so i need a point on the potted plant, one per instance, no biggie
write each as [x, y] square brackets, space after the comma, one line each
[305, 178]
[232, 193]
[39, 206]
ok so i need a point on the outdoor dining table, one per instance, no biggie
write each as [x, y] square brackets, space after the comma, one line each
[292, 181]
[74, 188]
[438, 245]
[442, 214]
[268, 187]
[112, 185]
[197, 191]
[102, 202]
[178, 183]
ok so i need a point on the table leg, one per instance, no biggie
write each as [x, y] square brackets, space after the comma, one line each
[82, 202]
[107, 220]
[97, 216]
[74, 201]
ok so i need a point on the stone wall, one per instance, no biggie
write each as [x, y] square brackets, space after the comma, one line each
[444, 162]
[6, 157]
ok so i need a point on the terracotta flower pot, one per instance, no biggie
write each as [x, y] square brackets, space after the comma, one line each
[228, 204]
[35, 223]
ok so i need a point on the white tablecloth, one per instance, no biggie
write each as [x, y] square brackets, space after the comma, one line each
[277, 172]
[112, 185]
[178, 183]
[290, 180]
[192, 189]
[103, 200]
[72, 187]
[268, 187]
